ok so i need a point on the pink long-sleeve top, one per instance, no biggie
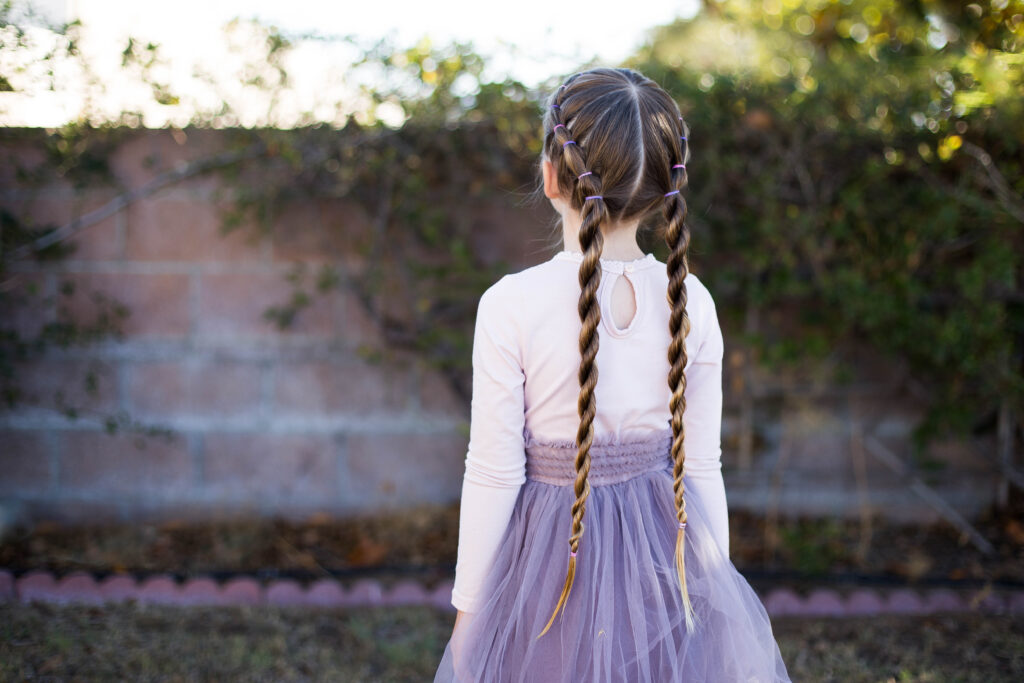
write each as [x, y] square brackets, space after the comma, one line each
[525, 364]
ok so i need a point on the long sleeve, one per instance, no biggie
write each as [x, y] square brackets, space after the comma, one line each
[703, 422]
[496, 458]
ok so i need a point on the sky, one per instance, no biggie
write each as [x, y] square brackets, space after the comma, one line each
[532, 42]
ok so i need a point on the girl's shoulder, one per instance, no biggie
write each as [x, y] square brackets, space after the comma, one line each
[697, 293]
[696, 289]
[520, 296]
[527, 281]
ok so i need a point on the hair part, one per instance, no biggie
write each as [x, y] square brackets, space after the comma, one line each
[617, 142]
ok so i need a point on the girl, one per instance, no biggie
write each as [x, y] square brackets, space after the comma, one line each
[627, 469]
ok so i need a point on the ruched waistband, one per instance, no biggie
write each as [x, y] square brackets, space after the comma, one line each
[610, 462]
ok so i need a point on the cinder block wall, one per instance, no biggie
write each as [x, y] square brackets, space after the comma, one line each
[264, 420]
[268, 422]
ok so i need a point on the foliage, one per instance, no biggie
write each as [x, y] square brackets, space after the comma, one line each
[77, 154]
[861, 161]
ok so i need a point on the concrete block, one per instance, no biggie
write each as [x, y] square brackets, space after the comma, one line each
[391, 470]
[125, 464]
[25, 463]
[254, 466]
[188, 388]
[180, 229]
[156, 303]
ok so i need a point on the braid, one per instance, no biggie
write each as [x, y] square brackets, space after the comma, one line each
[677, 235]
[587, 193]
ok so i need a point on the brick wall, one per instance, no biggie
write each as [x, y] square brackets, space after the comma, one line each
[291, 422]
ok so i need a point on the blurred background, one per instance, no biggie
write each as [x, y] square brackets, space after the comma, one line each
[241, 248]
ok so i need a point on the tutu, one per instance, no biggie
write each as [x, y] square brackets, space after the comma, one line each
[623, 619]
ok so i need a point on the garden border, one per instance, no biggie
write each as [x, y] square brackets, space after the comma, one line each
[164, 589]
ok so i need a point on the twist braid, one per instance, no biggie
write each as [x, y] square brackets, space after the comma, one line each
[677, 235]
[587, 194]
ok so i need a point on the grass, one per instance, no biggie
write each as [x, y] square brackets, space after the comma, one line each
[149, 643]
[155, 643]
[939, 648]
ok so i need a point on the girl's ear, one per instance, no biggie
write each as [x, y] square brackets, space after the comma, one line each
[550, 180]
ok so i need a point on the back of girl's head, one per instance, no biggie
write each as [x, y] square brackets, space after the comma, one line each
[624, 132]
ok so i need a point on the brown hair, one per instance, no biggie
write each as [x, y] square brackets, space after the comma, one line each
[618, 145]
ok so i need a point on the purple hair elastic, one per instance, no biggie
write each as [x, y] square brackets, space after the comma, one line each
[593, 196]
[557, 126]
[669, 194]
[572, 553]
[679, 166]
[568, 142]
[682, 525]
[583, 174]
[555, 106]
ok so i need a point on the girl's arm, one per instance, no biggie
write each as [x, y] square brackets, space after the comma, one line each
[496, 457]
[703, 422]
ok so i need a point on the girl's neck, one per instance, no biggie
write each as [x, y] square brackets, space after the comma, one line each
[619, 243]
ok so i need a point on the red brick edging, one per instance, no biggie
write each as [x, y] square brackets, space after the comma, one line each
[83, 588]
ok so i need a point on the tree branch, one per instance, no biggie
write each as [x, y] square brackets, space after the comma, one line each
[1010, 201]
[930, 496]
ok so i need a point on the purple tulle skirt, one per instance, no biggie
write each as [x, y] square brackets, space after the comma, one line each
[623, 619]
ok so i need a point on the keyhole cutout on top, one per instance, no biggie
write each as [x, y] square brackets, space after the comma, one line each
[623, 302]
